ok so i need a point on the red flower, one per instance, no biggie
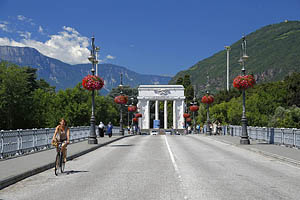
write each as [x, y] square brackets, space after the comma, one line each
[91, 82]
[207, 99]
[121, 99]
[137, 115]
[135, 120]
[244, 82]
[186, 115]
[194, 108]
[131, 108]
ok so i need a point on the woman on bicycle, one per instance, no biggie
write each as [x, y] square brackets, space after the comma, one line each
[62, 134]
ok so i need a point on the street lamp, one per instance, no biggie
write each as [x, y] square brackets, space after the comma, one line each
[227, 83]
[207, 99]
[244, 57]
[194, 108]
[121, 99]
[92, 137]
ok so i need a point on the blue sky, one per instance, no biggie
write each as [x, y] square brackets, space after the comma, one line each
[149, 37]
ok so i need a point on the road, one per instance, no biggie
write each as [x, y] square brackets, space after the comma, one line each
[164, 167]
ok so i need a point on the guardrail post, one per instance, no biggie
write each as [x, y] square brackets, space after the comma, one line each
[282, 135]
[2, 141]
[294, 137]
[19, 148]
[271, 135]
[34, 139]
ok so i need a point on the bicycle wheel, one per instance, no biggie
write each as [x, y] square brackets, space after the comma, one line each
[62, 163]
[57, 164]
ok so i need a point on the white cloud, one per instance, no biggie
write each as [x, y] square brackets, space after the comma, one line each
[110, 57]
[26, 19]
[68, 45]
[4, 27]
[21, 17]
[41, 30]
[7, 42]
[25, 34]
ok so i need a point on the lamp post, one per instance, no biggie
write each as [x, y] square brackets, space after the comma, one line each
[92, 137]
[121, 112]
[244, 57]
[208, 130]
[194, 108]
[228, 50]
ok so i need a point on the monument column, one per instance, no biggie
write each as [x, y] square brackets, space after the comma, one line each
[166, 114]
[156, 110]
[174, 114]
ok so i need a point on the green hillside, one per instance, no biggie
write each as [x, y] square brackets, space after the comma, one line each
[274, 52]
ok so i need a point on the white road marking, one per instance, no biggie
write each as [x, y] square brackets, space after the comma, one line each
[172, 157]
[176, 168]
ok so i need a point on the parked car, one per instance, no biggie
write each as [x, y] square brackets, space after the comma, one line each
[169, 132]
[153, 132]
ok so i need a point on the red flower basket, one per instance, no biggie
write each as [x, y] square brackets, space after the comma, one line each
[91, 82]
[121, 99]
[194, 108]
[244, 82]
[135, 120]
[186, 115]
[131, 108]
[207, 99]
[188, 119]
[137, 115]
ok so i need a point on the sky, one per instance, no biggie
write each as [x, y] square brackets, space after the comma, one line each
[159, 37]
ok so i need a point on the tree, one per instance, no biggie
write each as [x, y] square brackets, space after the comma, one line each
[293, 87]
[15, 97]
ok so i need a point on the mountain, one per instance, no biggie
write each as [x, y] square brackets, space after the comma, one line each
[63, 75]
[274, 52]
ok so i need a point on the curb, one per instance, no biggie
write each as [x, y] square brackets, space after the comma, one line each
[264, 153]
[14, 179]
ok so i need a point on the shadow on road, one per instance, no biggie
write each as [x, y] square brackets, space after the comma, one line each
[121, 145]
[73, 172]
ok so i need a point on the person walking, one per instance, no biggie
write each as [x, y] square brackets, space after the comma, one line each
[109, 129]
[101, 129]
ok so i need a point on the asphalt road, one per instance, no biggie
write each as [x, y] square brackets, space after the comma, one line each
[164, 167]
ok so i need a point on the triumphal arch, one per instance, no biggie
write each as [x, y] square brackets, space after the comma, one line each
[148, 94]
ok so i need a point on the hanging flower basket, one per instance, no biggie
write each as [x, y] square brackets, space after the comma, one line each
[121, 99]
[186, 115]
[194, 108]
[137, 115]
[131, 108]
[188, 120]
[207, 99]
[135, 120]
[91, 82]
[244, 82]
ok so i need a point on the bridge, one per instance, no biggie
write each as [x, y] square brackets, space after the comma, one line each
[194, 166]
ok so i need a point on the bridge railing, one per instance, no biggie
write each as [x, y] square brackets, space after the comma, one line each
[282, 136]
[19, 142]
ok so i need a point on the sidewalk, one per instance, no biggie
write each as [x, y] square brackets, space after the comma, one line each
[16, 169]
[280, 152]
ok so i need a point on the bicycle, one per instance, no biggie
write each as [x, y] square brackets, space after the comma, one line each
[59, 161]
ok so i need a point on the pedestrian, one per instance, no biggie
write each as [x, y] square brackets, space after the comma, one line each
[198, 128]
[101, 129]
[109, 129]
[62, 135]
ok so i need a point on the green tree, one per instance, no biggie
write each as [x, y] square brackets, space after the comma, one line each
[15, 97]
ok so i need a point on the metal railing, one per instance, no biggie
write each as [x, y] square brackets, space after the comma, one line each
[19, 142]
[282, 136]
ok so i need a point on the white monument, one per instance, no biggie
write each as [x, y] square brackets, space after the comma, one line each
[174, 93]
